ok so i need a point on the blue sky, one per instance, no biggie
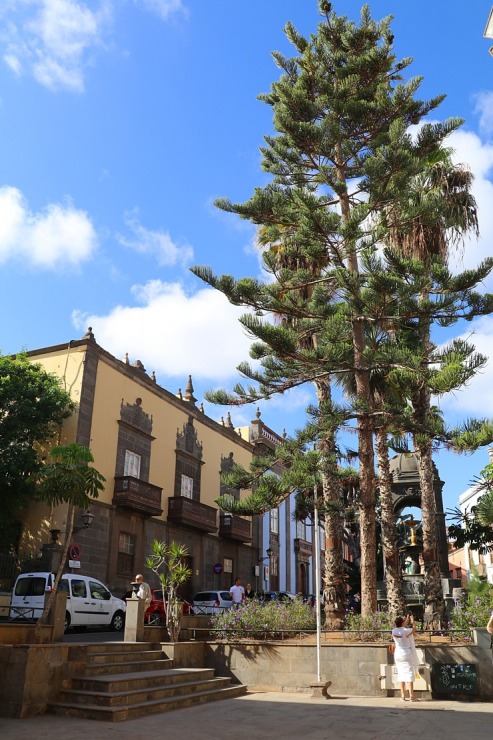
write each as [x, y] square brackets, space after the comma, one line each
[120, 123]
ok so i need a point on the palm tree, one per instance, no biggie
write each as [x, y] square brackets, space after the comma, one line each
[380, 393]
[484, 510]
[168, 563]
[434, 215]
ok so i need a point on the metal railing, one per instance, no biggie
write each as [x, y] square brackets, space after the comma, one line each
[375, 637]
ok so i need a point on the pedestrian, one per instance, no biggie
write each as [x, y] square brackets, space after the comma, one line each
[144, 591]
[237, 592]
[489, 626]
[249, 593]
[357, 603]
[404, 656]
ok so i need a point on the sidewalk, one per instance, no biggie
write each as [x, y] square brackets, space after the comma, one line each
[276, 715]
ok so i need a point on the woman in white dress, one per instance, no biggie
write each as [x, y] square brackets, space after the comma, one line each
[403, 636]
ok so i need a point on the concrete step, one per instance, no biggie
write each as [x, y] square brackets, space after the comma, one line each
[118, 647]
[138, 681]
[120, 714]
[130, 680]
[145, 694]
[101, 669]
[124, 656]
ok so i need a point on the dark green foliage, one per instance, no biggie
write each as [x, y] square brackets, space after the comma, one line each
[68, 477]
[33, 404]
[347, 177]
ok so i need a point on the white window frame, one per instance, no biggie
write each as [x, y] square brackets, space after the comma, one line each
[274, 521]
[301, 530]
[228, 565]
[132, 464]
[126, 543]
[186, 487]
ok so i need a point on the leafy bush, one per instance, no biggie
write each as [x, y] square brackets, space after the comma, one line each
[472, 611]
[368, 629]
[263, 621]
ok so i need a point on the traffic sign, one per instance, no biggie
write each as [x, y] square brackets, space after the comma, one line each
[218, 569]
[74, 552]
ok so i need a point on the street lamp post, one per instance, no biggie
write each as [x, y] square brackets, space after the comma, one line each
[268, 554]
[87, 519]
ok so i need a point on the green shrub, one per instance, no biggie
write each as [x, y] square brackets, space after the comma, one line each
[472, 612]
[263, 621]
[368, 629]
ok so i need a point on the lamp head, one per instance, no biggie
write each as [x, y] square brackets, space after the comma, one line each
[87, 518]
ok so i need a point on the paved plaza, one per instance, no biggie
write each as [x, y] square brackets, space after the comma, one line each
[276, 715]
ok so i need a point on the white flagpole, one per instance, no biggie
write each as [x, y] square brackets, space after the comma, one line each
[317, 576]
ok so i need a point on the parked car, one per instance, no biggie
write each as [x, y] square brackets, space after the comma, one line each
[89, 602]
[211, 602]
[267, 596]
[156, 611]
[312, 600]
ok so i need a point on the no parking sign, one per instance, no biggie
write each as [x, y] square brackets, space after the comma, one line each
[74, 552]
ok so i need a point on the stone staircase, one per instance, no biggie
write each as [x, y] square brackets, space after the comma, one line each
[124, 681]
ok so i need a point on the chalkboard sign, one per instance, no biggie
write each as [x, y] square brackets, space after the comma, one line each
[454, 678]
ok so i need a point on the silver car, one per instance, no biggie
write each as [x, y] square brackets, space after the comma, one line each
[211, 602]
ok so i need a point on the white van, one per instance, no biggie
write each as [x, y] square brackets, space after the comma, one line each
[89, 602]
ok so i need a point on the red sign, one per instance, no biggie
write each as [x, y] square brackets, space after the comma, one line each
[74, 552]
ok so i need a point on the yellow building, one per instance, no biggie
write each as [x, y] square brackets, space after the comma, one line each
[162, 458]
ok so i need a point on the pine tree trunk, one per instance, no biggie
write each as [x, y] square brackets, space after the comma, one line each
[433, 578]
[393, 574]
[367, 484]
[423, 444]
[334, 581]
[367, 520]
[365, 434]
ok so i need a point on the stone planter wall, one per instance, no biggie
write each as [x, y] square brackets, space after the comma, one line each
[185, 654]
[24, 634]
[31, 676]
[352, 669]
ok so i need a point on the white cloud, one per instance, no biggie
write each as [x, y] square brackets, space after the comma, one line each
[14, 63]
[469, 149]
[53, 39]
[59, 236]
[476, 399]
[484, 107]
[163, 8]
[174, 333]
[158, 244]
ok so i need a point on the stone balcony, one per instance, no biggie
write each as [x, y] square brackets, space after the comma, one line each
[303, 547]
[190, 513]
[136, 494]
[233, 527]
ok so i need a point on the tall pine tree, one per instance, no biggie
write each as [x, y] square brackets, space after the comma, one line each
[340, 154]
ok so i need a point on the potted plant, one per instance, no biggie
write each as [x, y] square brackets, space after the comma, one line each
[167, 561]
